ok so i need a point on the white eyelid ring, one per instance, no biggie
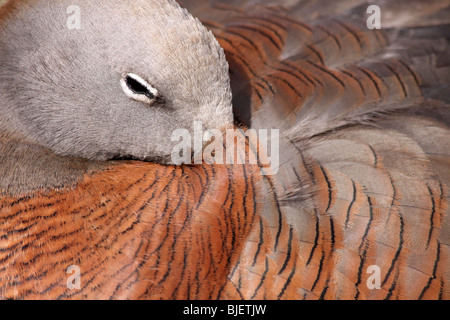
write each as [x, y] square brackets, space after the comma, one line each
[138, 89]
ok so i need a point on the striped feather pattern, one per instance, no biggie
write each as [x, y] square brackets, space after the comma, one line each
[365, 188]
[136, 231]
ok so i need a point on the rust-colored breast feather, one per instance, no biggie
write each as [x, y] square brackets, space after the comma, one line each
[135, 231]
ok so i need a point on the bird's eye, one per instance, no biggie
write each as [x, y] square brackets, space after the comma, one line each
[138, 89]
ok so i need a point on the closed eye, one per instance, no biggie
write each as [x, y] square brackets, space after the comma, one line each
[138, 89]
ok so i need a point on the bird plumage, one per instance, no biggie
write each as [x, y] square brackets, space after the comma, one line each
[363, 177]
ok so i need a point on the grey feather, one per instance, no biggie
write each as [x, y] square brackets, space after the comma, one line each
[60, 88]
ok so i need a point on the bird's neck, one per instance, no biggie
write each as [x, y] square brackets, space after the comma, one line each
[26, 167]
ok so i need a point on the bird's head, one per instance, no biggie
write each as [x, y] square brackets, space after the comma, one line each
[110, 78]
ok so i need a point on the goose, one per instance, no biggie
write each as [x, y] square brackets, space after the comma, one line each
[93, 205]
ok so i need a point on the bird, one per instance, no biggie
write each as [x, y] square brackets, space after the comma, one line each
[356, 208]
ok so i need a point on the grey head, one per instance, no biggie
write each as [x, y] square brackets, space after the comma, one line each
[116, 87]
